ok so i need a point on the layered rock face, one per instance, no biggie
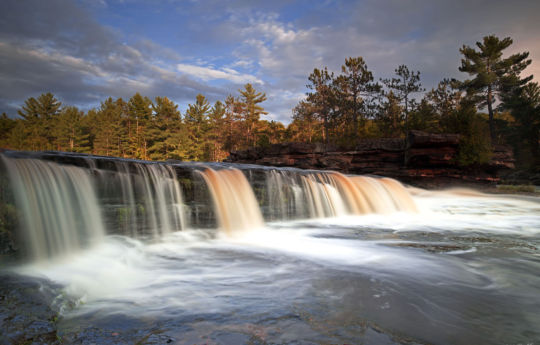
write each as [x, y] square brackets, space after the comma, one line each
[422, 157]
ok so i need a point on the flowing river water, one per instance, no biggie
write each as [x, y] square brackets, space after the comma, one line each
[139, 253]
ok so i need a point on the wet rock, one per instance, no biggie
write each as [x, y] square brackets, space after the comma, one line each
[29, 310]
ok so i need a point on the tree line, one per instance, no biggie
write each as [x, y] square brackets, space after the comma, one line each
[142, 128]
[339, 109]
[345, 108]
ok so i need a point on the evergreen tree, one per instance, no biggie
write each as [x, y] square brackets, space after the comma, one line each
[524, 103]
[475, 144]
[390, 120]
[306, 125]
[251, 111]
[406, 83]
[354, 90]
[164, 130]
[6, 126]
[446, 98]
[270, 132]
[322, 98]
[231, 121]
[108, 134]
[216, 131]
[39, 115]
[492, 74]
[424, 118]
[140, 113]
[71, 131]
[17, 137]
[196, 119]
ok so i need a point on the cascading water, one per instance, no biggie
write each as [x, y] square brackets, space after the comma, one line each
[138, 198]
[65, 207]
[336, 258]
[60, 212]
[291, 195]
[162, 198]
[235, 204]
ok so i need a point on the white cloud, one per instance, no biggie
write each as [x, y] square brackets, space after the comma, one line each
[207, 73]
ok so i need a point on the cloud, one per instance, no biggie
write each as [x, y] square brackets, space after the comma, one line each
[207, 73]
[214, 47]
[424, 36]
[64, 51]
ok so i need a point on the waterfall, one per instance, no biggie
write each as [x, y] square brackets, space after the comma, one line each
[68, 205]
[162, 198]
[141, 199]
[332, 194]
[235, 204]
[59, 208]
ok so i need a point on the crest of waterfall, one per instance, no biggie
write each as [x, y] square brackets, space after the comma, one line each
[58, 204]
[235, 204]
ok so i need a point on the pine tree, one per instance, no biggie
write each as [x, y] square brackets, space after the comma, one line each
[196, 119]
[390, 121]
[232, 118]
[355, 89]
[492, 74]
[322, 98]
[524, 104]
[445, 98]
[140, 114]
[216, 131]
[306, 125]
[108, 133]
[424, 118]
[251, 111]
[6, 126]
[71, 132]
[39, 115]
[406, 83]
[166, 123]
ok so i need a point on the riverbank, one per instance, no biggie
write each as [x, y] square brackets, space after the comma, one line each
[422, 159]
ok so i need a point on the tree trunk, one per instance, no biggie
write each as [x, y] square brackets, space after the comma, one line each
[490, 113]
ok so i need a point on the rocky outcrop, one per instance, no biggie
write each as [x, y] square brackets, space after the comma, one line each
[421, 157]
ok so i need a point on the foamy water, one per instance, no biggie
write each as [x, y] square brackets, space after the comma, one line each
[464, 269]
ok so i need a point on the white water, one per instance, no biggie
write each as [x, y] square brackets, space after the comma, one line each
[458, 267]
[61, 210]
[169, 273]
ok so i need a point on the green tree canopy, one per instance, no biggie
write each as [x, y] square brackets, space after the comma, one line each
[355, 89]
[492, 74]
[40, 114]
[322, 97]
[524, 104]
[406, 83]
[251, 110]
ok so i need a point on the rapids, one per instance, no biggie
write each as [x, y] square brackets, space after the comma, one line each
[218, 254]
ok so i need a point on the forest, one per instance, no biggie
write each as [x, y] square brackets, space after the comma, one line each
[494, 106]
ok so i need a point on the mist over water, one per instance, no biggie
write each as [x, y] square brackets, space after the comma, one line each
[316, 258]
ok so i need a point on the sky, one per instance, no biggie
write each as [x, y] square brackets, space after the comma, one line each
[84, 51]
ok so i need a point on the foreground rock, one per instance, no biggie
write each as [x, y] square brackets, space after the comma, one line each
[29, 310]
[423, 158]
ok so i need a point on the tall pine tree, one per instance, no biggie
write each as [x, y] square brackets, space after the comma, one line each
[492, 74]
